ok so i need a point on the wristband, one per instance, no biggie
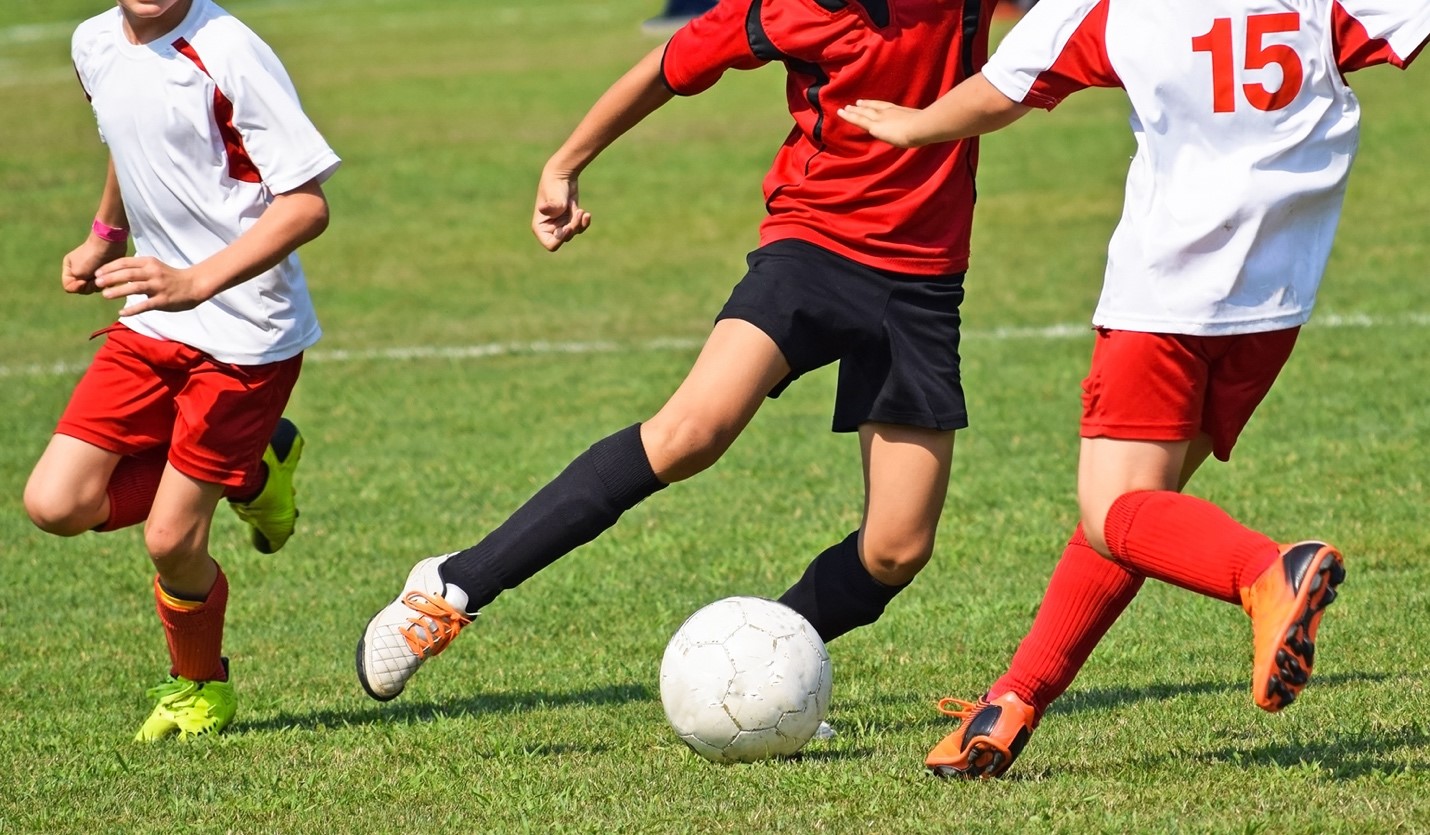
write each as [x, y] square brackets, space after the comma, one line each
[113, 234]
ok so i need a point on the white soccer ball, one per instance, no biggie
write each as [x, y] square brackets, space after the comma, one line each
[744, 679]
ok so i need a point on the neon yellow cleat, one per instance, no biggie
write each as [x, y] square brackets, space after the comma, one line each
[273, 513]
[188, 709]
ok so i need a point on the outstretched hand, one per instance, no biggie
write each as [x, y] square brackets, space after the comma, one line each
[890, 122]
[558, 217]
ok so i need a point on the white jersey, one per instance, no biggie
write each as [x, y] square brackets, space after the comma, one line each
[204, 127]
[1245, 134]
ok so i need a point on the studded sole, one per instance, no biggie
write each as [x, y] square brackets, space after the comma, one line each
[1297, 654]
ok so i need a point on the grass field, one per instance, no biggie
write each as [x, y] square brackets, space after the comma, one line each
[463, 367]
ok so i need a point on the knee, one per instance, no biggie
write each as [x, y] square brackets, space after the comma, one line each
[895, 560]
[171, 547]
[679, 448]
[59, 514]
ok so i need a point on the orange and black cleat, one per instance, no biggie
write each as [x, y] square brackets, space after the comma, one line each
[990, 738]
[1285, 604]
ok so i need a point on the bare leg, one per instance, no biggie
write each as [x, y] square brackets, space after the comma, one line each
[735, 371]
[906, 473]
[177, 534]
[850, 583]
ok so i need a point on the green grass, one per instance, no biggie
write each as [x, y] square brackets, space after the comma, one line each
[545, 717]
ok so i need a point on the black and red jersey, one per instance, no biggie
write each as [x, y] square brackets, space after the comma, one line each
[831, 184]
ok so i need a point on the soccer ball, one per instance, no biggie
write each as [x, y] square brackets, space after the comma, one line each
[745, 679]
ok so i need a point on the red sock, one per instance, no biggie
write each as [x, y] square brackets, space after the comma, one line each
[1188, 542]
[132, 487]
[1085, 596]
[194, 631]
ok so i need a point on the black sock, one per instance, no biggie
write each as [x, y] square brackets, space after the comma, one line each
[606, 480]
[837, 594]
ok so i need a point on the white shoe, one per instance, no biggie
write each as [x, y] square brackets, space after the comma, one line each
[825, 731]
[420, 623]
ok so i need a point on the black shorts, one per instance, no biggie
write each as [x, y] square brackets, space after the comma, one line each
[894, 335]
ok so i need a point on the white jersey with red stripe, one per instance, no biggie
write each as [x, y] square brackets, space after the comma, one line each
[204, 127]
[1245, 131]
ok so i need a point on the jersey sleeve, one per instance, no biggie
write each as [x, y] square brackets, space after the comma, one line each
[282, 141]
[1056, 49]
[1370, 32]
[702, 50]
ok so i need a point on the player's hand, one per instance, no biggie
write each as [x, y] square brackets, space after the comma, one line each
[77, 270]
[558, 217]
[166, 288]
[892, 123]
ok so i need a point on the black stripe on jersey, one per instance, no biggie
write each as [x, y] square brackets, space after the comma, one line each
[764, 49]
[878, 10]
[972, 17]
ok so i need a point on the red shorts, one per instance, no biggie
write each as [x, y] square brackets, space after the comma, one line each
[1173, 387]
[215, 417]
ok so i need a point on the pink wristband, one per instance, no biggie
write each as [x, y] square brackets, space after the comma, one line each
[113, 234]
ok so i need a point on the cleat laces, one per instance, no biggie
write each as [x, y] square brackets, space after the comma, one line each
[176, 692]
[438, 622]
[965, 710]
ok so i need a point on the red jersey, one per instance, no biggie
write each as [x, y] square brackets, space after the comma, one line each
[831, 184]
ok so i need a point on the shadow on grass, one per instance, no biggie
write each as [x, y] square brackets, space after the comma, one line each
[1102, 698]
[1086, 701]
[412, 712]
[1347, 755]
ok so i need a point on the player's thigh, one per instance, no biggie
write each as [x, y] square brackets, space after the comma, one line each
[736, 369]
[69, 481]
[906, 470]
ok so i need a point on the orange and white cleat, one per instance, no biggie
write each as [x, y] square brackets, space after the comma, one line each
[424, 619]
[1285, 604]
[989, 740]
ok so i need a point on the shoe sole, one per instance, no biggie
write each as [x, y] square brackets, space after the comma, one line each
[362, 669]
[985, 758]
[1296, 656]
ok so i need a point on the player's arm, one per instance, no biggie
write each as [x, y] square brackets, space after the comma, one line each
[637, 94]
[291, 220]
[77, 272]
[972, 108]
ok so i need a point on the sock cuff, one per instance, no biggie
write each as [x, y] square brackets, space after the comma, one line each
[1119, 520]
[845, 557]
[621, 462]
[1079, 538]
[217, 594]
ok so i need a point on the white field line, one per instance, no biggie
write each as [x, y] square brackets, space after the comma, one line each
[503, 349]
